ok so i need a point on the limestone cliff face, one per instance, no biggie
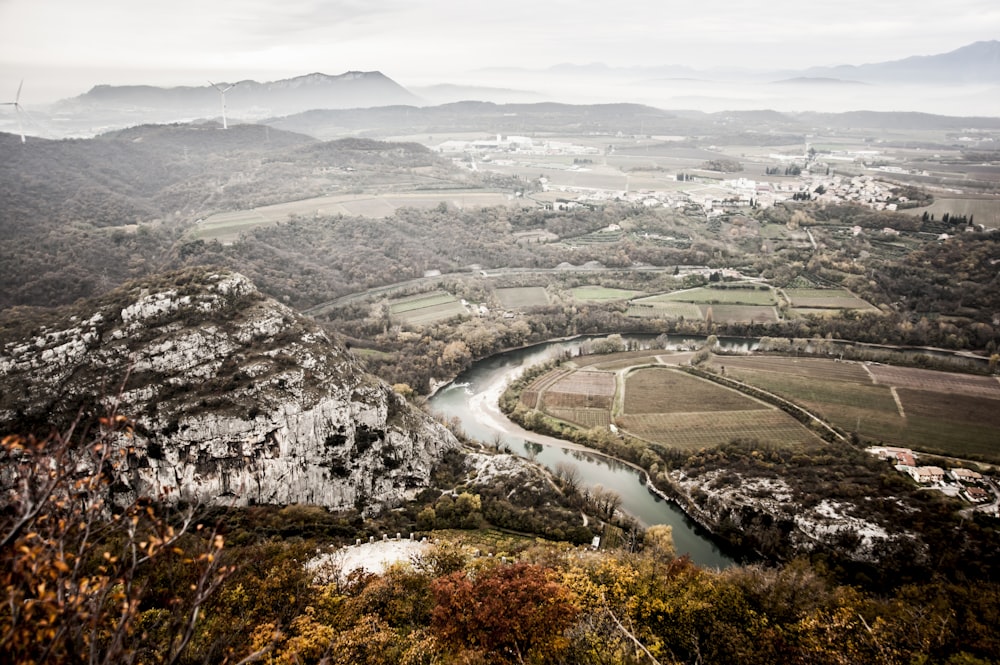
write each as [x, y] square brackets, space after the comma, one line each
[235, 398]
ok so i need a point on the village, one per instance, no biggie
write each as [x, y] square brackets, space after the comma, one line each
[979, 490]
[833, 177]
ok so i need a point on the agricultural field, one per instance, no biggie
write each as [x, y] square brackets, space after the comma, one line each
[740, 313]
[983, 211]
[702, 430]
[426, 308]
[707, 295]
[601, 294]
[663, 390]
[601, 237]
[616, 361]
[750, 303]
[227, 226]
[647, 309]
[521, 297]
[925, 379]
[661, 404]
[937, 412]
[818, 299]
[583, 417]
[580, 390]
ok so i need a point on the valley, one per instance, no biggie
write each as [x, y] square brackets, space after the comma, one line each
[276, 311]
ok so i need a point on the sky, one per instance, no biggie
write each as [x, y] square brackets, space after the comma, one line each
[62, 48]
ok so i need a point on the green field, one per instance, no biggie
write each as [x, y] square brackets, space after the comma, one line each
[426, 308]
[707, 295]
[601, 294]
[810, 299]
[227, 226]
[660, 404]
[664, 390]
[521, 297]
[928, 411]
[740, 313]
[939, 412]
[665, 310]
[983, 211]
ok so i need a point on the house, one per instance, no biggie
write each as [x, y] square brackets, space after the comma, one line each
[898, 456]
[927, 474]
[976, 494]
[966, 475]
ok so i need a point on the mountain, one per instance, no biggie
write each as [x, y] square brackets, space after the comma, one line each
[974, 63]
[245, 99]
[234, 398]
[447, 93]
[475, 116]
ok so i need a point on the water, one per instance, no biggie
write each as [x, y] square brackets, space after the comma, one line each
[472, 397]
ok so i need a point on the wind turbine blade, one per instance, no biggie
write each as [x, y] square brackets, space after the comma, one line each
[17, 97]
[20, 121]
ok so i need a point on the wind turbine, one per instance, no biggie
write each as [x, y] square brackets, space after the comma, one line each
[222, 93]
[17, 109]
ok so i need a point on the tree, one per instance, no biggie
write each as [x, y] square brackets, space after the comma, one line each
[513, 613]
[659, 540]
[569, 475]
[76, 565]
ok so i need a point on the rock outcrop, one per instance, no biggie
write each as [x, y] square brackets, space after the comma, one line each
[233, 397]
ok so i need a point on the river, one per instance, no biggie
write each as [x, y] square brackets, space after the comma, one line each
[472, 399]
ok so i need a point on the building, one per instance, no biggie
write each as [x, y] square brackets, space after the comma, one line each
[966, 475]
[927, 474]
[976, 494]
[898, 456]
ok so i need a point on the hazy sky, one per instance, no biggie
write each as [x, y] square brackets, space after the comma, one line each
[64, 47]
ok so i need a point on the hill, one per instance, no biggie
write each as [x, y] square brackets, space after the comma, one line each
[234, 398]
[81, 216]
[249, 98]
[974, 63]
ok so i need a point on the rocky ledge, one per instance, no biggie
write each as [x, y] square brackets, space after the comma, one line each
[233, 398]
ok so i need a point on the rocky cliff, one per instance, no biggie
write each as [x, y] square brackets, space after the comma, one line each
[234, 398]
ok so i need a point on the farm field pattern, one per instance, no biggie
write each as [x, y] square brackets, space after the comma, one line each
[660, 404]
[938, 412]
[930, 411]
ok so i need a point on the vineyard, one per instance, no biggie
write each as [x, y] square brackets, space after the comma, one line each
[426, 308]
[940, 412]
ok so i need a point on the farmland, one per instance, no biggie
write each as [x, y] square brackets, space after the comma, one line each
[738, 304]
[226, 227]
[656, 390]
[939, 412]
[426, 308]
[646, 308]
[985, 211]
[521, 297]
[647, 396]
[659, 404]
[740, 313]
[819, 299]
[741, 295]
[601, 294]
[701, 430]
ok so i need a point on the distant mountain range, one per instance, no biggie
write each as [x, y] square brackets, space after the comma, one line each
[248, 98]
[844, 88]
[974, 63]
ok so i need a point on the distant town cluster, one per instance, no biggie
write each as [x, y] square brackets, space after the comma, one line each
[957, 481]
[807, 176]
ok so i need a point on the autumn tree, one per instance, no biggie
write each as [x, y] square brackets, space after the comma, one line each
[75, 563]
[513, 613]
